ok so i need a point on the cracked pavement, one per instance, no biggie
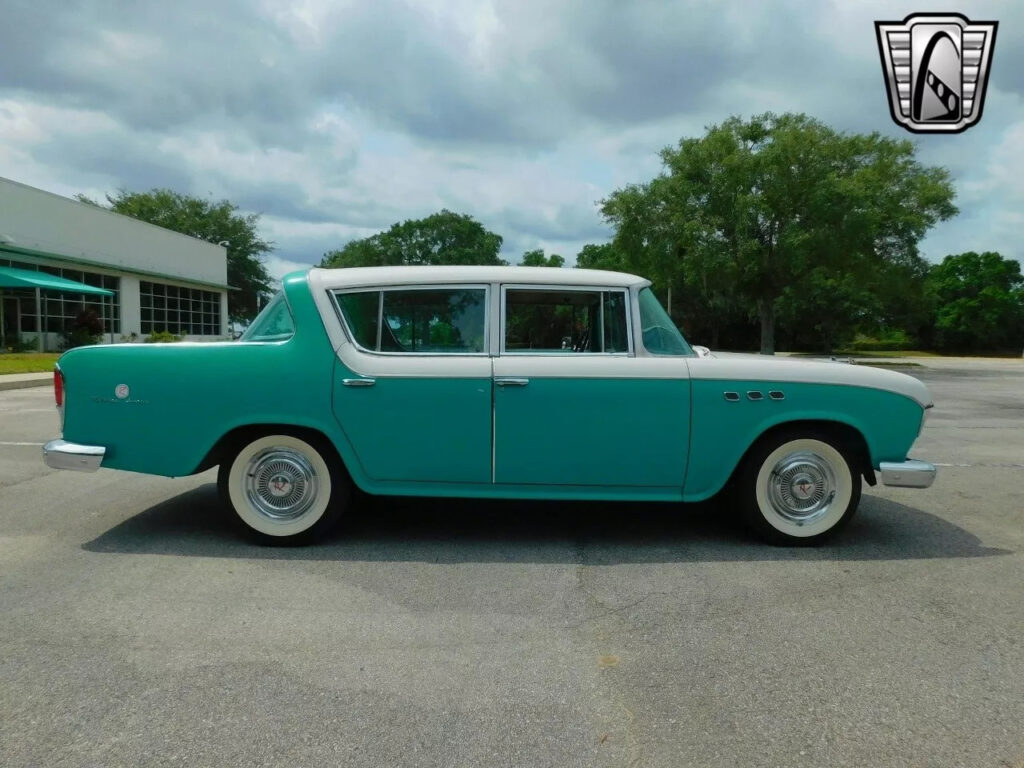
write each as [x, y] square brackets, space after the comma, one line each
[138, 628]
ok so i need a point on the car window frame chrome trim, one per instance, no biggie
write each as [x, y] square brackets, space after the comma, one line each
[599, 289]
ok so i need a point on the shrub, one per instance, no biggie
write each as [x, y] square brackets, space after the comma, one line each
[30, 344]
[162, 337]
[891, 341]
[85, 329]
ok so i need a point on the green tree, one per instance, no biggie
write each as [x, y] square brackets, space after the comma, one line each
[886, 301]
[442, 238]
[979, 301]
[902, 300]
[823, 310]
[537, 258]
[604, 256]
[217, 222]
[650, 240]
[701, 302]
[754, 207]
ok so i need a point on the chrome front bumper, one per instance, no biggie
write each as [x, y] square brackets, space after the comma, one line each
[907, 474]
[60, 454]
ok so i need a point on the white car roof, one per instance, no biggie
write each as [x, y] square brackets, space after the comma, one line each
[355, 277]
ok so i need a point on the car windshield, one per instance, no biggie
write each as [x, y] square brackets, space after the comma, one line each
[660, 335]
[274, 323]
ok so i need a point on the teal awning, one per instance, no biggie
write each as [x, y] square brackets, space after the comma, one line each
[10, 277]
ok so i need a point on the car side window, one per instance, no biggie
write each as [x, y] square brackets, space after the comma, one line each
[565, 321]
[361, 311]
[417, 320]
[274, 323]
[660, 335]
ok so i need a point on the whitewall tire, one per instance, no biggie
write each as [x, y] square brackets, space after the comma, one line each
[798, 488]
[283, 488]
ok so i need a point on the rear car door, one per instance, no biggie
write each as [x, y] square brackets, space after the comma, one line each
[412, 386]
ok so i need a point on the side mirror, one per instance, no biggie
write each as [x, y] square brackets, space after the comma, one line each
[701, 351]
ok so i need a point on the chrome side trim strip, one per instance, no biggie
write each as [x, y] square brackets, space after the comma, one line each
[907, 474]
[60, 454]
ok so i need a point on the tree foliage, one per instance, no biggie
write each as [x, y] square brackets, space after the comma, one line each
[979, 302]
[442, 238]
[213, 221]
[604, 256]
[764, 213]
[536, 258]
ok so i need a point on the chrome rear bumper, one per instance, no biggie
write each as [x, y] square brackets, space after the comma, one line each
[60, 454]
[907, 474]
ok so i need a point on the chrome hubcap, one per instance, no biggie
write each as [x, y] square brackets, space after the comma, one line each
[280, 484]
[801, 487]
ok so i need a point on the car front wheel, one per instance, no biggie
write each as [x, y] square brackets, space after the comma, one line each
[798, 488]
[284, 489]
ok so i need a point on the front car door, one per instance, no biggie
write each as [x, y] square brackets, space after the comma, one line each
[412, 385]
[574, 403]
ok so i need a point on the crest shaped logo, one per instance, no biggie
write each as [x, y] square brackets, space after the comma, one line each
[936, 69]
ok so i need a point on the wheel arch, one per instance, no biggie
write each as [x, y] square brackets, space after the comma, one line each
[239, 436]
[850, 440]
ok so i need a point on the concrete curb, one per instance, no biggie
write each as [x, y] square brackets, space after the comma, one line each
[24, 381]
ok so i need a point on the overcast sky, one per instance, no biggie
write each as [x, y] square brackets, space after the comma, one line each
[335, 119]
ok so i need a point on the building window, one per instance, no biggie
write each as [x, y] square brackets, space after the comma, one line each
[59, 308]
[184, 311]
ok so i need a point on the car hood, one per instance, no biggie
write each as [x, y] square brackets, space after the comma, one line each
[740, 367]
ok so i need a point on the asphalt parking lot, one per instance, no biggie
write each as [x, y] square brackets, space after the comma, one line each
[138, 628]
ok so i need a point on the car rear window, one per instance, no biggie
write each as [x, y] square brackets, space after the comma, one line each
[274, 323]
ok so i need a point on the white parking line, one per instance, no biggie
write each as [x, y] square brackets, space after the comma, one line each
[983, 464]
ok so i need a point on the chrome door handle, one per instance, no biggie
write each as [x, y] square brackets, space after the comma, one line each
[509, 381]
[358, 382]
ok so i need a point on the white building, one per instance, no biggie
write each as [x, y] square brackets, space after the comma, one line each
[161, 280]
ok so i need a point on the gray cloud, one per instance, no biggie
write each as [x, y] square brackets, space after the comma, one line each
[138, 166]
[161, 66]
[521, 113]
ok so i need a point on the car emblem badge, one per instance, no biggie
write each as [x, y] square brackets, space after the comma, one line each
[121, 392]
[936, 69]
[280, 486]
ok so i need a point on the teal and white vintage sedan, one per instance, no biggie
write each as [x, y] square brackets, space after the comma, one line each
[489, 382]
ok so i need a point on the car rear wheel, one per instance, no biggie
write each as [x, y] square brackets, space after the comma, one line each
[284, 489]
[798, 488]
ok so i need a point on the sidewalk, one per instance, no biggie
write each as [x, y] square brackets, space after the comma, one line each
[23, 380]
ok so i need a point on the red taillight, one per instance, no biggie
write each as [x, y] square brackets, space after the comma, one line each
[58, 388]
